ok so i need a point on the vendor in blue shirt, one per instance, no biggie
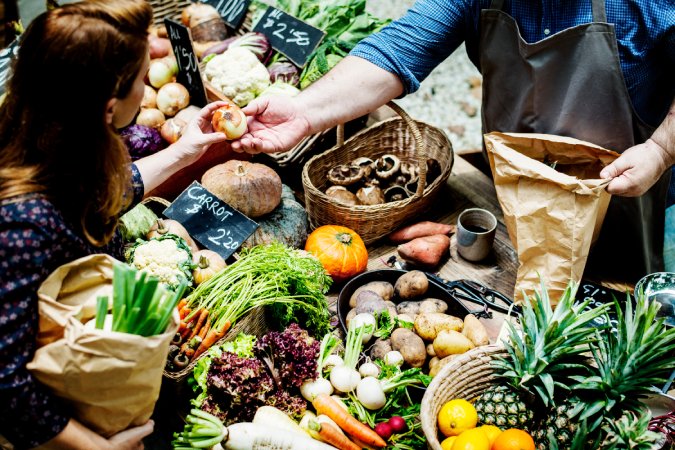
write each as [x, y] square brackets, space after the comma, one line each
[598, 70]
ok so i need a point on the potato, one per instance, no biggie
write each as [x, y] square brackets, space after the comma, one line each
[432, 363]
[411, 285]
[391, 307]
[433, 305]
[428, 325]
[365, 296]
[382, 288]
[430, 350]
[371, 306]
[433, 371]
[410, 345]
[350, 315]
[411, 308]
[451, 342]
[475, 331]
[380, 348]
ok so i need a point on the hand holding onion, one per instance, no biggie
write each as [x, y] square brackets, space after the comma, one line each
[198, 135]
[230, 120]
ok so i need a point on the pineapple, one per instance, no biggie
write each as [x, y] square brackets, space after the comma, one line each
[627, 366]
[631, 432]
[542, 360]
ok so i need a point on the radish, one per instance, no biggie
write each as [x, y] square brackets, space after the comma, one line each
[369, 370]
[369, 392]
[311, 389]
[366, 321]
[397, 424]
[393, 358]
[345, 378]
[384, 430]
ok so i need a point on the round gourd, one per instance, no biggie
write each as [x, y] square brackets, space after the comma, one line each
[251, 188]
[340, 250]
[208, 264]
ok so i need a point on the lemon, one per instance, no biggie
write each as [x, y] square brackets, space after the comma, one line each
[491, 431]
[472, 439]
[447, 443]
[456, 416]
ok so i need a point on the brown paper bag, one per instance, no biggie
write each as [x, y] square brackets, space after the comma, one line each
[111, 379]
[554, 202]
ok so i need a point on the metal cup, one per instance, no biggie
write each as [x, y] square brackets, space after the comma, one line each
[476, 228]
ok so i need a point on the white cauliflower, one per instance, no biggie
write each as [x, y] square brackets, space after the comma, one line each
[164, 259]
[238, 74]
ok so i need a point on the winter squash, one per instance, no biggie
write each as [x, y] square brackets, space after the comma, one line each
[208, 264]
[340, 250]
[252, 189]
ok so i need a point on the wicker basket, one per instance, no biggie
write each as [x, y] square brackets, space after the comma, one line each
[465, 377]
[410, 140]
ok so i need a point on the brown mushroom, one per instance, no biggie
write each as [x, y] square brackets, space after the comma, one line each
[433, 170]
[395, 193]
[409, 169]
[370, 195]
[345, 174]
[411, 186]
[387, 166]
[364, 163]
[342, 195]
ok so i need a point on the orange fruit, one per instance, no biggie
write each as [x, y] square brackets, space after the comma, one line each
[491, 431]
[448, 442]
[473, 439]
[513, 439]
[456, 416]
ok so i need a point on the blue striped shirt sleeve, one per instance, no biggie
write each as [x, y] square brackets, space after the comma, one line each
[414, 45]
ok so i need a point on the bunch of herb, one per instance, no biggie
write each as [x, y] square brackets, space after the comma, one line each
[291, 282]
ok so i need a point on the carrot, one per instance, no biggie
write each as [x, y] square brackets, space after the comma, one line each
[211, 338]
[425, 251]
[205, 329]
[203, 314]
[181, 304]
[419, 230]
[324, 404]
[332, 435]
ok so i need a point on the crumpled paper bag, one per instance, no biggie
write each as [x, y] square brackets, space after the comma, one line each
[110, 379]
[554, 202]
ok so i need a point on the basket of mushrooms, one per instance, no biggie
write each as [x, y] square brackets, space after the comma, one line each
[379, 178]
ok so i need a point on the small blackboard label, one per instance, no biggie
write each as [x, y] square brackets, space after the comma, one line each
[600, 295]
[210, 221]
[288, 35]
[188, 65]
[232, 11]
[7, 55]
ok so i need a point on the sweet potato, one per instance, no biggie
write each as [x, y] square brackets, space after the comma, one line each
[420, 230]
[425, 251]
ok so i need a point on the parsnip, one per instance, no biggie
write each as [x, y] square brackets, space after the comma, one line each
[249, 436]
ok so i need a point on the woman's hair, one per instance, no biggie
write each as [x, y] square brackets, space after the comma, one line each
[54, 139]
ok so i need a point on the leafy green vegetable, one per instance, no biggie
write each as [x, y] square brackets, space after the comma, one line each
[136, 223]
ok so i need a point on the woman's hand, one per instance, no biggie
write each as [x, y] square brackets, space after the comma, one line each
[636, 170]
[198, 136]
[131, 439]
[275, 124]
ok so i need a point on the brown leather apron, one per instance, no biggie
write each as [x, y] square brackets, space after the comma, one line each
[571, 84]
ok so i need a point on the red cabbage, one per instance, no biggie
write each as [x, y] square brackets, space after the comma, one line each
[141, 140]
[285, 72]
[257, 43]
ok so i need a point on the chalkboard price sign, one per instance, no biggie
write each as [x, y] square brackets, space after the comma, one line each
[188, 66]
[288, 35]
[210, 221]
[7, 55]
[599, 295]
[232, 11]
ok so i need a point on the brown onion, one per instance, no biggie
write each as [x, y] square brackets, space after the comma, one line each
[149, 98]
[171, 98]
[197, 13]
[172, 130]
[230, 120]
[186, 114]
[150, 117]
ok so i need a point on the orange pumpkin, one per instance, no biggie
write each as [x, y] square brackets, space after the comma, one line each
[340, 250]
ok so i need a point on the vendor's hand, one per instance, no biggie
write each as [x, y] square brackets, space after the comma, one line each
[275, 124]
[198, 135]
[636, 170]
[131, 439]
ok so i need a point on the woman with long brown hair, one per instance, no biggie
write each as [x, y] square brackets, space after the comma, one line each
[65, 178]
